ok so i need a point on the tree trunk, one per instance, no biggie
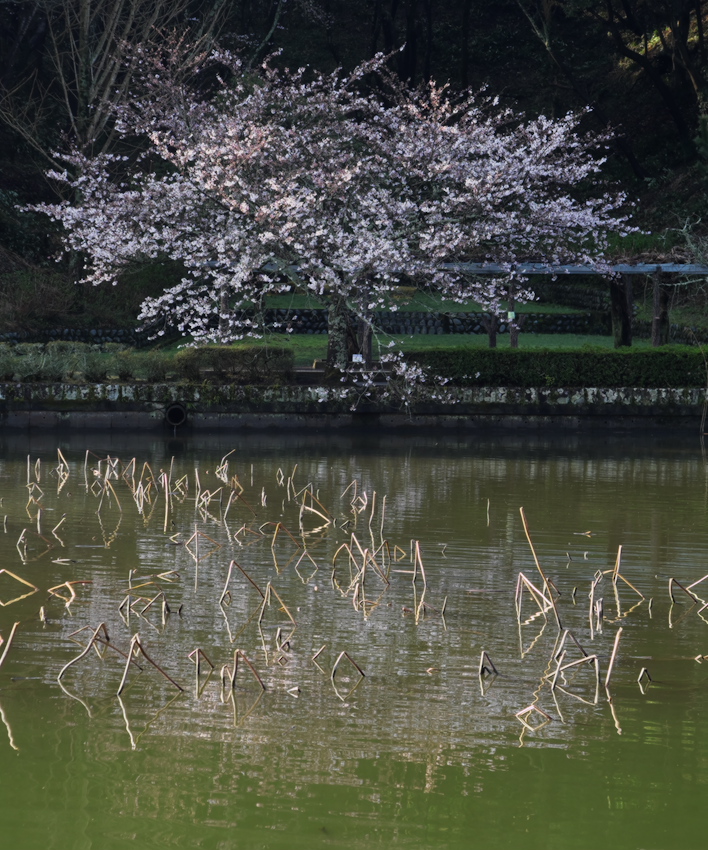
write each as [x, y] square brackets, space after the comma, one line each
[83, 76]
[621, 310]
[364, 338]
[409, 55]
[428, 39]
[660, 321]
[465, 55]
[491, 323]
[339, 329]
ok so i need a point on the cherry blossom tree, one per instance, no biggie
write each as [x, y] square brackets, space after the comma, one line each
[257, 182]
[506, 191]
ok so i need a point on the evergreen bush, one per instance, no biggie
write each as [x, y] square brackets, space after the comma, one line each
[95, 366]
[123, 364]
[151, 366]
[253, 364]
[63, 360]
[28, 362]
[7, 362]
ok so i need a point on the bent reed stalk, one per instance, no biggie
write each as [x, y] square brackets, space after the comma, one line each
[363, 572]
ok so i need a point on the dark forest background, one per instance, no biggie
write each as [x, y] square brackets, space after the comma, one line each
[639, 66]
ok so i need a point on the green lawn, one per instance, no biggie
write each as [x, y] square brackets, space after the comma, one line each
[643, 243]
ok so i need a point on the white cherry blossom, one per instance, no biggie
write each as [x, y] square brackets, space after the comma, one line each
[331, 184]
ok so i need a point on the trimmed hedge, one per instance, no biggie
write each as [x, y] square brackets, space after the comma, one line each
[669, 366]
[241, 365]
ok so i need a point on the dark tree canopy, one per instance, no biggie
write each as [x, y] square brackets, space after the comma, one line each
[638, 66]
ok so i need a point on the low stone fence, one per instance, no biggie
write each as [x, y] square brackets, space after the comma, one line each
[407, 322]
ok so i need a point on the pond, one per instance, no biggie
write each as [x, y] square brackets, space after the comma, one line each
[338, 594]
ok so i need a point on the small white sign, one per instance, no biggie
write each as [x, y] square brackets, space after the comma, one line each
[510, 316]
[357, 358]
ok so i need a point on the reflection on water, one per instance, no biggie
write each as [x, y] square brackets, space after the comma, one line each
[337, 697]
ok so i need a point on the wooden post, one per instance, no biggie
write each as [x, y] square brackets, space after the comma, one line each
[660, 319]
[512, 323]
[224, 315]
[656, 310]
[621, 310]
[629, 300]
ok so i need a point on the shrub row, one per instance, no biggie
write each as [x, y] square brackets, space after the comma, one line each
[243, 365]
[62, 360]
[55, 361]
[670, 366]
[75, 361]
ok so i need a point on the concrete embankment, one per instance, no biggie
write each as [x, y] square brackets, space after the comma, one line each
[139, 407]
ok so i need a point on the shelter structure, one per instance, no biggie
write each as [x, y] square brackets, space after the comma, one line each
[664, 276]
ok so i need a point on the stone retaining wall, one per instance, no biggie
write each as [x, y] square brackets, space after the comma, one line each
[184, 408]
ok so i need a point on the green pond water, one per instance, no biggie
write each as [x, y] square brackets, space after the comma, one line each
[419, 752]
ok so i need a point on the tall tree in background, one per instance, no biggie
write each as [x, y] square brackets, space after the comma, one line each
[66, 68]
[663, 40]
